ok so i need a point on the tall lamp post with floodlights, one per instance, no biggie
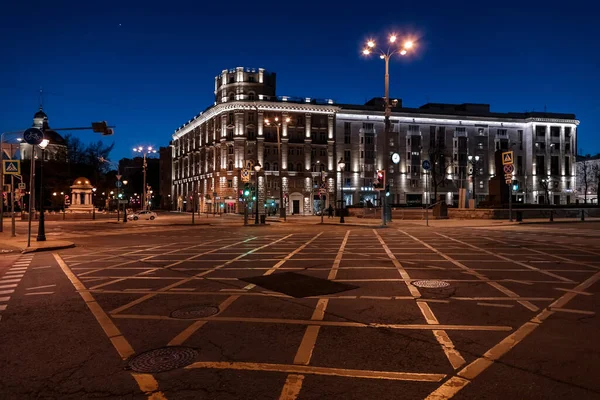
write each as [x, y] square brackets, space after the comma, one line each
[474, 161]
[145, 152]
[41, 236]
[257, 167]
[386, 54]
[277, 124]
[94, 203]
[342, 164]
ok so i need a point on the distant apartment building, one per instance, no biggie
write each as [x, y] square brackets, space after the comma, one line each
[212, 152]
[588, 178]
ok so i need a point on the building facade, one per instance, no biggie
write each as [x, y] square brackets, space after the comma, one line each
[588, 179]
[212, 152]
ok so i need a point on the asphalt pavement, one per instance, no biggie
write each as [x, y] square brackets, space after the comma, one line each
[167, 310]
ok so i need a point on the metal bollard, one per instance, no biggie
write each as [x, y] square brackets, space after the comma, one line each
[551, 215]
[582, 215]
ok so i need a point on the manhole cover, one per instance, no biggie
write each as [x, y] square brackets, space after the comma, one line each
[194, 312]
[430, 284]
[163, 359]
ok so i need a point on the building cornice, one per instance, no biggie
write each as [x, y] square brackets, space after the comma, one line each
[241, 106]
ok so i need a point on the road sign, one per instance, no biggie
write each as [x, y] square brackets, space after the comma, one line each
[22, 186]
[33, 136]
[509, 168]
[322, 191]
[245, 175]
[118, 184]
[426, 165]
[507, 157]
[11, 167]
[508, 181]
[119, 177]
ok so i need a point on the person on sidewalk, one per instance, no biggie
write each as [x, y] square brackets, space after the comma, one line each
[330, 211]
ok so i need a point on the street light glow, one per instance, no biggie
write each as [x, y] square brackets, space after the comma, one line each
[392, 38]
[371, 43]
[408, 44]
[403, 52]
[366, 52]
[287, 119]
[382, 57]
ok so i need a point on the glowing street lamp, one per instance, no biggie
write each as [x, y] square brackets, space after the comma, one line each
[385, 53]
[145, 151]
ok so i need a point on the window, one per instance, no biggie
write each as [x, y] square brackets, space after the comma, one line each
[229, 183]
[567, 132]
[230, 79]
[441, 136]
[362, 154]
[461, 130]
[275, 166]
[322, 167]
[368, 127]
[313, 152]
[555, 131]
[251, 134]
[362, 140]
[554, 165]
[414, 129]
[299, 151]
[408, 155]
[408, 168]
[230, 119]
[231, 97]
[432, 136]
[567, 147]
[251, 96]
[502, 132]
[480, 131]
[519, 165]
[313, 167]
[567, 166]
[540, 132]
[322, 152]
[267, 166]
[347, 128]
[539, 165]
[230, 166]
[251, 117]
[520, 134]
[347, 156]
[348, 182]
[346, 137]
[568, 184]
[369, 139]
[229, 149]
[250, 78]
[299, 167]
[299, 121]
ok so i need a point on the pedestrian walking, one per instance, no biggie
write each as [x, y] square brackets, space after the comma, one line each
[330, 212]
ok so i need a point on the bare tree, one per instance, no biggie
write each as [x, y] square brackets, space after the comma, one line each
[596, 179]
[546, 183]
[584, 175]
[440, 162]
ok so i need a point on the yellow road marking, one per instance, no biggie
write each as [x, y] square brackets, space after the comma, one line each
[338, 257]
[453, 355]
[572, 311]
[495, 305]
[574, 291]
[471, 371]
[304, 369]
[484, 278]
[291, 389]
[146, 382]
[38, 293]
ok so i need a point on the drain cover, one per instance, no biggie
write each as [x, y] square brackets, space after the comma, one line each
[430, 284]
[163, 359]
[193, 312]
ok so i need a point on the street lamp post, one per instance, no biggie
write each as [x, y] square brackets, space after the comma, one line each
[277, 125]
[124, 204]
[257, 167]
[94, 203]
[474, 163]
[2, 175]
[342, 164]
[386, 54]
[41, 236]
[145, 152]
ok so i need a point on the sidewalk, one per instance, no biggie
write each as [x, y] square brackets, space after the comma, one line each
[20, 243]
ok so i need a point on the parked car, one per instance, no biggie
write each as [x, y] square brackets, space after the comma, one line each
[151, 215]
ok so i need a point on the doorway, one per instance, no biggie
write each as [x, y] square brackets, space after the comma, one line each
[557, 199]
[295, 206]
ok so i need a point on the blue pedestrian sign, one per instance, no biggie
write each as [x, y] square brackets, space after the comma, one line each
[118, 184]
[11, 167]
[33, 136]
[426, 165]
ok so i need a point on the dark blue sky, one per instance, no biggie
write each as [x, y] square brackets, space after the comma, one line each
[157, 69]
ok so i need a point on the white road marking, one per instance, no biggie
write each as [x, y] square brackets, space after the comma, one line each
[37, 293]
[40, 287]
[8, 286]
[6, 291]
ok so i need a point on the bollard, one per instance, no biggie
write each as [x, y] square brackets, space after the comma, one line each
[582, 215]
[551, 215]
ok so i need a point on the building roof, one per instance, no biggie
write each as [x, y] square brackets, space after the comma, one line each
[40, 114]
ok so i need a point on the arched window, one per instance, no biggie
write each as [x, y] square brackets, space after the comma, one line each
[275, 166]
[299, 167]
[231, 96]
[267, 167]
[313, 168]
[251, 96]
[230, 166]
[229, 149]
[290, 167]
[322, 167]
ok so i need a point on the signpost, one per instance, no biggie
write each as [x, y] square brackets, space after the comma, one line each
[426, 167]
[22, 186]
[32, 136]
[11, 167]
[509, 168]
[245, 175]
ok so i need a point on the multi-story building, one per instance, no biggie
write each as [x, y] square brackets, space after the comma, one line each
[211, 150]
[588, 179]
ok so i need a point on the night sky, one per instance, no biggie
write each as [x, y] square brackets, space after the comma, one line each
[147, 67]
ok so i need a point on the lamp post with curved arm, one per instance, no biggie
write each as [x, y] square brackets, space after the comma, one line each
[386, 54]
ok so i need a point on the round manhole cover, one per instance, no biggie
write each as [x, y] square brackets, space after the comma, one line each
[193, 312]
[430, 284]
[163, 359]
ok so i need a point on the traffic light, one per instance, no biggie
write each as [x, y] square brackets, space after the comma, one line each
[102, 127]
[379, 179]
[387, 190]
[246, 190]
[515, 185]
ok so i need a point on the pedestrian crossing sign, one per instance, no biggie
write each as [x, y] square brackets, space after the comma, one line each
[507, 157]
[11, 167]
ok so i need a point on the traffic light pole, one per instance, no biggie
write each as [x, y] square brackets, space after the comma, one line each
[510, 194]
